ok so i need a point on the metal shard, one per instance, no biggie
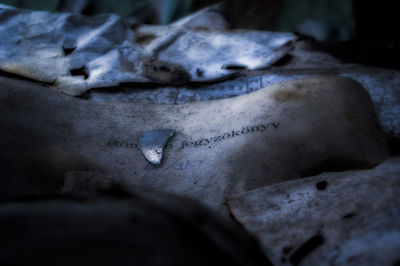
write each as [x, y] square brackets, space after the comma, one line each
[152, 143]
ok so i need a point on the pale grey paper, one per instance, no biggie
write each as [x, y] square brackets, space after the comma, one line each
[354, 213]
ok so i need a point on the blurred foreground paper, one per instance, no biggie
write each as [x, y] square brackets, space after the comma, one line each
[116, 227]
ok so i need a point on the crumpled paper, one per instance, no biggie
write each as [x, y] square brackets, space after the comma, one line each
[77, 53]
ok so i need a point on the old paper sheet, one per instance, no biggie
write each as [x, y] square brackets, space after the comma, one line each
[219, 149]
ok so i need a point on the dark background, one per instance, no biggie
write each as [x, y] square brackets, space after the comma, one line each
[360, 31]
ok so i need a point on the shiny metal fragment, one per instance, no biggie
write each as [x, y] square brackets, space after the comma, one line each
[152, 143]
